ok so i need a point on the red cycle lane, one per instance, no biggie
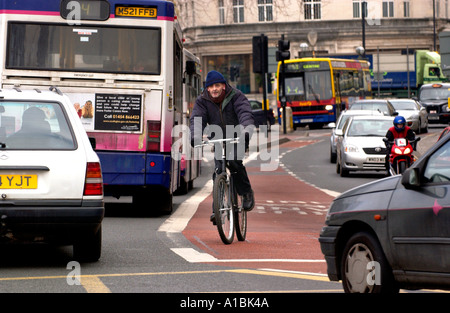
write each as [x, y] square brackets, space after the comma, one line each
[282, 228]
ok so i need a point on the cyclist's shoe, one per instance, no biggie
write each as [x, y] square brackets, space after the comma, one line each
[213, 219]
[248, 201]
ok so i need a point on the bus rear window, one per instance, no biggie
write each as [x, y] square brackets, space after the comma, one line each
[35, 125]
[83, 48]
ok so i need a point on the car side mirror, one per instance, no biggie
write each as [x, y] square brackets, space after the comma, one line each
[339, 132]
[93, 142]
[411, 178]
[395, 113]
[332, 125]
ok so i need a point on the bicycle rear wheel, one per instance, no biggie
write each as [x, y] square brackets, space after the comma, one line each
[223, 210]
[240, 217]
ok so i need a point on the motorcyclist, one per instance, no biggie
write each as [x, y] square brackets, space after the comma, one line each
[399, 130]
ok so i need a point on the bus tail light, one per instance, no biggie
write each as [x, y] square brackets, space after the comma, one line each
[93, 185]
[153, 135]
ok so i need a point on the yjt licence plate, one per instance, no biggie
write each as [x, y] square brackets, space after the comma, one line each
[375, 160]
[18, 181]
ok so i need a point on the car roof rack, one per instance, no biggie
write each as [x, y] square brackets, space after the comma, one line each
[55, 89]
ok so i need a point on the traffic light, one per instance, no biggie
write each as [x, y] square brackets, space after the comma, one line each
[234, 73]
[260, 54]
[283, 52]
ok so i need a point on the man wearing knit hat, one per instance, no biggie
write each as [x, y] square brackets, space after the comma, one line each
[222, 105]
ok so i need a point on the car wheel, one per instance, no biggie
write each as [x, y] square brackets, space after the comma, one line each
[425, 129]
[343, 172]
[364, 267]
[89, 247]
[332, 156]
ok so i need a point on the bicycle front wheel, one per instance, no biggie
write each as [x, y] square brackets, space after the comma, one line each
[223, 210]
[240, 216]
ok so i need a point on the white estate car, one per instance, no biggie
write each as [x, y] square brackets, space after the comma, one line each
[360, 145]
[340, 123]
[51, 186]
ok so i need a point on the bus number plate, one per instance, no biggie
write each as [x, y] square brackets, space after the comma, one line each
[18, 181]
[136, 11]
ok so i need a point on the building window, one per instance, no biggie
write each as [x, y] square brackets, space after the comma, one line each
[265, 10]
[406, 9]
[221, 12]
[238, 11]
[312, 9]
[388, 8]
[358, 6]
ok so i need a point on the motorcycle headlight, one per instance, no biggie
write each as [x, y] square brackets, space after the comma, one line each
[398, 151]
[407, 151]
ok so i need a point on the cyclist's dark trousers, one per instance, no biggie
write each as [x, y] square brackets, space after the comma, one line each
[240, 177]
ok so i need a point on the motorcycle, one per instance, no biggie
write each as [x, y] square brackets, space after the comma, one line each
[400, 157]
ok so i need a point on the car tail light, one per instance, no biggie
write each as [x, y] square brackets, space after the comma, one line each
[153, 135]
[93, 185]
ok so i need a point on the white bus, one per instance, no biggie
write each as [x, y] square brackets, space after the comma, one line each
[122, 64]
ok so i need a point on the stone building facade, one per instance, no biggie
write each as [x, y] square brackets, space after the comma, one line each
[220, 32]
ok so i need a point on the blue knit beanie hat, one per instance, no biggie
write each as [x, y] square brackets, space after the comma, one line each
[214, 77]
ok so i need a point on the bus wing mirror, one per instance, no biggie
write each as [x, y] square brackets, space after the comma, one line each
[190, 67]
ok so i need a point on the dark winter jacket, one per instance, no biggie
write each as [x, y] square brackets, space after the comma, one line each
[234, 110]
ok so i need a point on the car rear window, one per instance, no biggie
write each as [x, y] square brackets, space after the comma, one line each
[369, 106]
[26, 125]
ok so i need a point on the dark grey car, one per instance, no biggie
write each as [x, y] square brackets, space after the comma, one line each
[393, 233]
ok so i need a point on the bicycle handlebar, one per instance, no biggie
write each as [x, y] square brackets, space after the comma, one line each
[212, 142]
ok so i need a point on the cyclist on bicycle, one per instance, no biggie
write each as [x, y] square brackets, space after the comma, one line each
[220, 104]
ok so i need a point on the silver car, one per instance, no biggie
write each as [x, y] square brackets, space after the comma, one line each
[360, 145]
[380, 105]
[394, 232]
[340, 123]
[415, 114]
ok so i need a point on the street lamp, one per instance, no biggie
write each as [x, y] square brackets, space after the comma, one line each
[303, 49]
[434, 25]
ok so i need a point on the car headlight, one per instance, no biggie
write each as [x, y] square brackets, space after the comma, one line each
[351, 148]
[329, 107]
[445, 108]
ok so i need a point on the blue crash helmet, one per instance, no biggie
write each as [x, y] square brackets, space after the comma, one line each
[399, 120]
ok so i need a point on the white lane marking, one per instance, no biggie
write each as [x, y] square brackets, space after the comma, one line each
[178, 221]
[193, 256]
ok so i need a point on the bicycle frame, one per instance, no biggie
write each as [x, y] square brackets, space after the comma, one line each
[228, 212]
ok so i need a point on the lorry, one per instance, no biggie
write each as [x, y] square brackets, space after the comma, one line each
[391, 76]
[400, 75]
[428, 68]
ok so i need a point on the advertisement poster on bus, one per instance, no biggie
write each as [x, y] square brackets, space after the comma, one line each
[109, 112]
